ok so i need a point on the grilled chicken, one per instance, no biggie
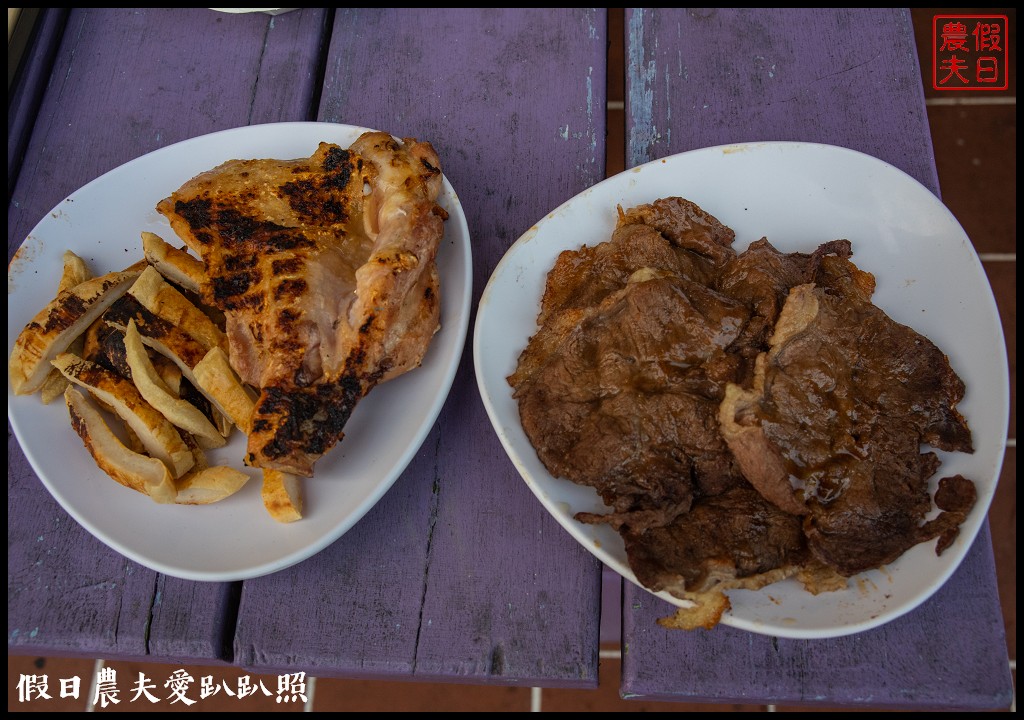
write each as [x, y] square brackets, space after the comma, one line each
[325, 270]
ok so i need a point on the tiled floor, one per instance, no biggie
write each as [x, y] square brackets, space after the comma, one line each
[975, 148]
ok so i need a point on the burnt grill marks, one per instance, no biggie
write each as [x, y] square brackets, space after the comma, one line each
[242, 236]
[312, 201]
[338, 159]
[104, 343]
[238, 284]
[253, 301]
[72, 308]
[265, 241]
[112, 353]
[325, 197]
[286, 240]
[383, 369]
[90, 374]
[288, 325]
[78, 423]
[340, 179]
[127, 308]
[287, 266]
[236, 263]
[303, 377]
[238, 227]
[290, 288]
[309, 419]
[291, 346]
[229, 287]
[196, 212]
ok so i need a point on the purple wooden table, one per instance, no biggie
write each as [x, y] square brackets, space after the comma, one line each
[474, 582]
[700, 78]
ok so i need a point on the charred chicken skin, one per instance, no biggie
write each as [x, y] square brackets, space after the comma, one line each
[325, 270]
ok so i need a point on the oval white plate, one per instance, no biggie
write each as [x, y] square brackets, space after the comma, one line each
[798, 195]
[234, 539]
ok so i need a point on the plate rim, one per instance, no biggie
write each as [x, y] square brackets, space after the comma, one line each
[457, 347]
[614, 563]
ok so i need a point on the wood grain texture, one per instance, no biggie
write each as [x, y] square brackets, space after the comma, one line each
[846, 77]
[127, 82]
[124, 83]
[26, 92]
[458, 573]
[850, 77]
[949, 653]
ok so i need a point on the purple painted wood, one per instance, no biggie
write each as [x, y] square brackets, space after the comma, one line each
[949, 653]
[458, 573]
[126, 82]
[845, 77]
[26, 93]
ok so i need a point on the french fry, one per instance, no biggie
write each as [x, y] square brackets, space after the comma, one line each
[75, 273]
[203, 484]
[56, 326]
[168, 340]
[156, 432]
[182, 270]
[168, 371]
[142, 473]
[218, 381]
[197, 453]
[151, 386]
[282, 495]
[171, 342]
[54, 385]
[176, 265]
[164, 301]
[172, 383]
[209, 485]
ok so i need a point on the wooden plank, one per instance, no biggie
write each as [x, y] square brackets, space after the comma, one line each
[948, 654]
[699, 78]
[126, 82]
[845, 77]
[458, 573]
[67, 593]
[26, 93]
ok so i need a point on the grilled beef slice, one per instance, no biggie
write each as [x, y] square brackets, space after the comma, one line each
[838, 410]
[732, 429]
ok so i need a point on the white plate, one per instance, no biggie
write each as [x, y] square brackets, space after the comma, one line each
[234, 539]
[798, 195]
